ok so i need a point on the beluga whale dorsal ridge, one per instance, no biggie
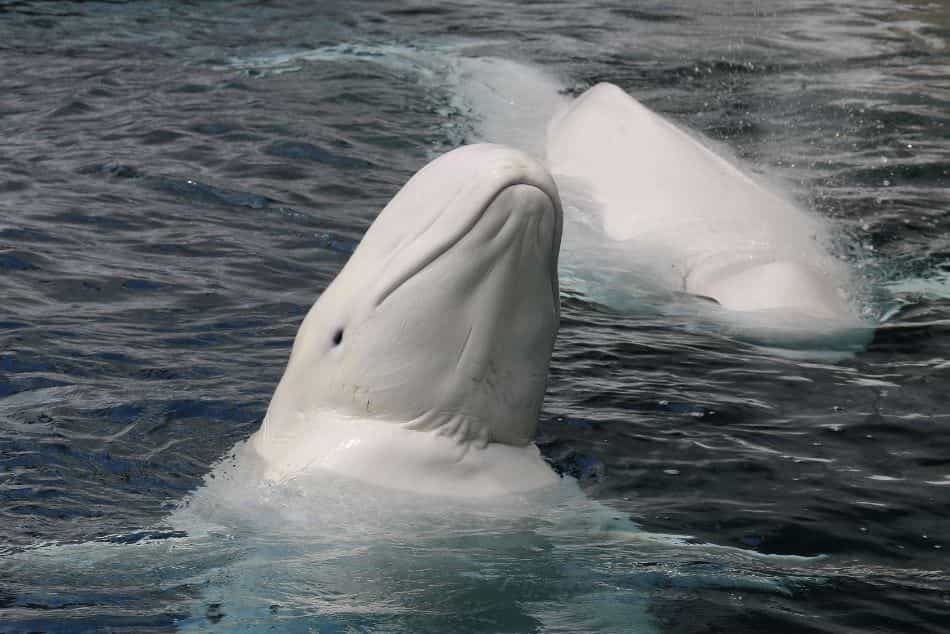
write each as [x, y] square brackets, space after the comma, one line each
[423, 365]
[721, 232]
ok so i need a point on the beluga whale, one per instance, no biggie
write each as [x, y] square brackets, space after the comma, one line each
[423, 365]
[701, 224]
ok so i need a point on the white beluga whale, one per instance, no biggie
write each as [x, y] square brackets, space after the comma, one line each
[709, 228]
[423, 365]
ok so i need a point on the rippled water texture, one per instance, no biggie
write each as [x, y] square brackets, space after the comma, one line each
[179, 181]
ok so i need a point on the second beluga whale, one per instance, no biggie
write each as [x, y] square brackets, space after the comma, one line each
[718, 232]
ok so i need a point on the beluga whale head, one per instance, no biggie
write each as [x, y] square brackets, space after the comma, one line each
[423, 365]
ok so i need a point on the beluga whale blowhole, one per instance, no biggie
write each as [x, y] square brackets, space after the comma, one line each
[423, 365]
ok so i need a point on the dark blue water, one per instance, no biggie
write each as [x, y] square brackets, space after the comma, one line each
[179, 181]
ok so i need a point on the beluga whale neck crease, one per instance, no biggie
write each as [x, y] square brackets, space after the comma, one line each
[423, 365]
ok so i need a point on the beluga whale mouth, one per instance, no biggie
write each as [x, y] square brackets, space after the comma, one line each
[423, 365]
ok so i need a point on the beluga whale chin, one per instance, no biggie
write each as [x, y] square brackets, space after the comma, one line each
[423, 365]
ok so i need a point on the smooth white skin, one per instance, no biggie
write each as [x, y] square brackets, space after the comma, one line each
[447, 313]
[724, 235]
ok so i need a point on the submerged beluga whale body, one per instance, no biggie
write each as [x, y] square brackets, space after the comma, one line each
[423, 365]
[723, 234]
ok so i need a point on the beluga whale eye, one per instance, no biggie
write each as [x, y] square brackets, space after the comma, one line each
[338, 337]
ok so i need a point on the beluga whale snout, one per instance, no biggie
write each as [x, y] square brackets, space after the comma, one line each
[423, 365]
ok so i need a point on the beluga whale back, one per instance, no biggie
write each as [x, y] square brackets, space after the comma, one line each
[423, 365]
[716, 231]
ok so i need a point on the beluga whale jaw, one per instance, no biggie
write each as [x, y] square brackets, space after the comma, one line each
[712, 230]
[423, 365]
